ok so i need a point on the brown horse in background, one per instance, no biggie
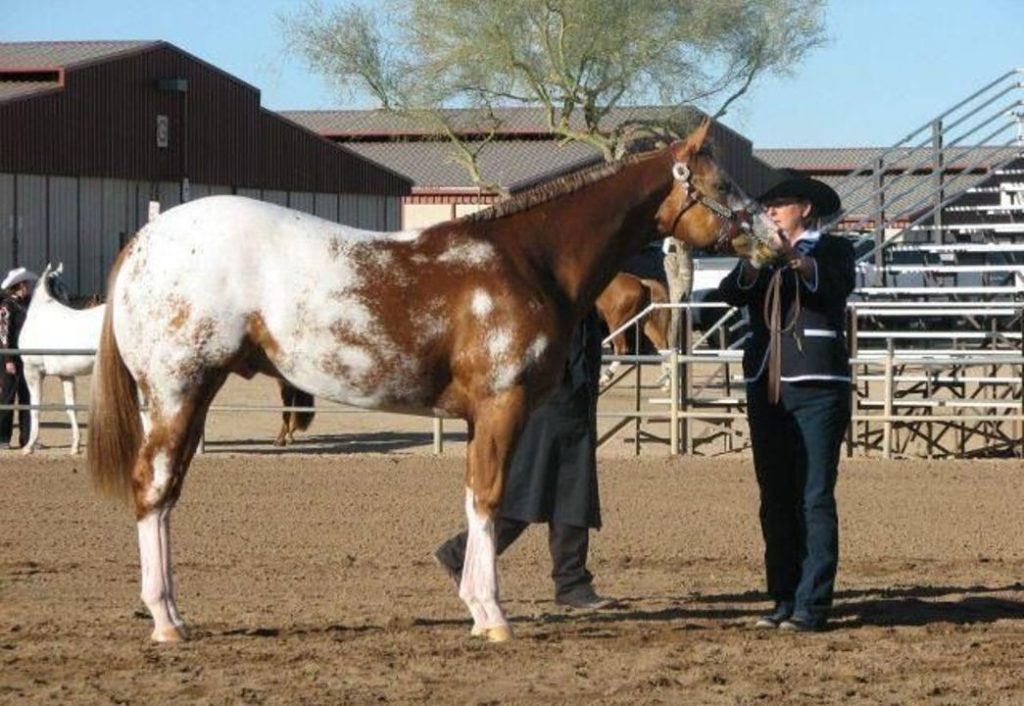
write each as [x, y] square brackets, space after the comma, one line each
[293, 421]
[621, 301]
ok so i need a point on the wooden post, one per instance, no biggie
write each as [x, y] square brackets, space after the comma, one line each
[688, 380]
[887, 391]
[851, 336]
[636, 390]
[438, 436]
[673, 410]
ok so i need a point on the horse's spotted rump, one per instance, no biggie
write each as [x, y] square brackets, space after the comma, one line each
[180, 310]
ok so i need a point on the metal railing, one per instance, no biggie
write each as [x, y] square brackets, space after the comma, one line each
[685, 407]
[979, 135]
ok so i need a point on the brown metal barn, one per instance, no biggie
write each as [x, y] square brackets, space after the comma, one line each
[92, 132]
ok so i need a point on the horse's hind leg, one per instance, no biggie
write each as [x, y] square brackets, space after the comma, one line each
[68, 383]
[288, 424]
[172, 428]
[282, 435]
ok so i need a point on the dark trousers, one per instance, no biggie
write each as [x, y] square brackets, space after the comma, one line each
[14, 388]
[568, 545]
[796, 457]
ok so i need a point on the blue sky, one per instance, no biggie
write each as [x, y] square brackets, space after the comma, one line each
[889, 67]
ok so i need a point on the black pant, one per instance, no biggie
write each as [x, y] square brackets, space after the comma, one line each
[568, 545]
[796, 457]
[14, 387]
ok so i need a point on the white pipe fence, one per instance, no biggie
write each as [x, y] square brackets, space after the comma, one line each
[683, 409]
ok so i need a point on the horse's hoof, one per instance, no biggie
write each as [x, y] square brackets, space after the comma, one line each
[501, 633]
[174, 633]
[27, 450]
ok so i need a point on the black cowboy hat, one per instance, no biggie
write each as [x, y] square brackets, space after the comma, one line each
[789, 183]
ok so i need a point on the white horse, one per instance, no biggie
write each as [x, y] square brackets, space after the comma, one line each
[50, 324]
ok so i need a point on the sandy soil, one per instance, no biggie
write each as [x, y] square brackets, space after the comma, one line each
[306, 576]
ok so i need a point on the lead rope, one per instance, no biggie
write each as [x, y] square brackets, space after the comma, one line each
[773, 319]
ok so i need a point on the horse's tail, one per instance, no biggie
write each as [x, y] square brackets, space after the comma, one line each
[115, 428]
[661, 317]
[294, 397]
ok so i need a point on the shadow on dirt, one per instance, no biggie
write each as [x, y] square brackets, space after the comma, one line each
[364, 442]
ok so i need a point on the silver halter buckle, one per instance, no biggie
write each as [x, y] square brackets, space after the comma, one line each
[681, 172]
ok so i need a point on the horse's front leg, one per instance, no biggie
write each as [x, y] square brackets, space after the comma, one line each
[496, 428]
[34, 383]
[618, 348]
[68, 383]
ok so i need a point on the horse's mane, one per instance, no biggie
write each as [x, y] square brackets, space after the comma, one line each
[570, 183]
[562, 186]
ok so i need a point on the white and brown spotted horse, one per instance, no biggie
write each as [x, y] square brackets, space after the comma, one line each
[469, 318]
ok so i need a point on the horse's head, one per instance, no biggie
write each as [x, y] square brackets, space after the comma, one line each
[54, 284]
[705, 208]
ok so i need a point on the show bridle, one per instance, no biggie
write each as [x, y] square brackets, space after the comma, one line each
[732, 221]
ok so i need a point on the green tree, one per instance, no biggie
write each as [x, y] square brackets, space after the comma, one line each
[582, 61]
[577, 59]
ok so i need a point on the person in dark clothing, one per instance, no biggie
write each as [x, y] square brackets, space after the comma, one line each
[796, 364]
[552, 477]
[17, 288]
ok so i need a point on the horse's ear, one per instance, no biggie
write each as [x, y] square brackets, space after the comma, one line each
[60, 268]
[693, 142]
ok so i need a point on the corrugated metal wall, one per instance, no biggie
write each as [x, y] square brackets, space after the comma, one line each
[79, 166]
[104, 123]
[734, 153]
[8, 223]
[84, 222]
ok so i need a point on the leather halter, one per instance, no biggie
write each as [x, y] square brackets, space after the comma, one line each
[728, 217]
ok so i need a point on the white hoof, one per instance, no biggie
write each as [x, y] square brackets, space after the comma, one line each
[174, 633]
[499, 633]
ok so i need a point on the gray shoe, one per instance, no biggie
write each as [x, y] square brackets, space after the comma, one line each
[775, 619]
[797, 624]
[585, 598]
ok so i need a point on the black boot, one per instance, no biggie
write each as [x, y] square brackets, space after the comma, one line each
[574, 588]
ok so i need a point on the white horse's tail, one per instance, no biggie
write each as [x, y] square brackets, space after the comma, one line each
[115, 428]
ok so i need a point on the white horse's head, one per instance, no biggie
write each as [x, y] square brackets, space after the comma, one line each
[53, 284]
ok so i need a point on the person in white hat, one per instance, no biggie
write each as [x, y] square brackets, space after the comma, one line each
[17, 291]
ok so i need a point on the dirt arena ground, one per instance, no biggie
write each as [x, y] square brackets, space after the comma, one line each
[306, 577]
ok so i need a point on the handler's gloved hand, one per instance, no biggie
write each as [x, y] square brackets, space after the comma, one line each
[757, 251]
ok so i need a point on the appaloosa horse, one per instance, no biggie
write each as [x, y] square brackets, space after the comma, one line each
[621, 301]
[469, 318]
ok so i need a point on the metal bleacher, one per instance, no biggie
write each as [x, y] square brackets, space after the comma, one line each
[936, 322]
[937, 318]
